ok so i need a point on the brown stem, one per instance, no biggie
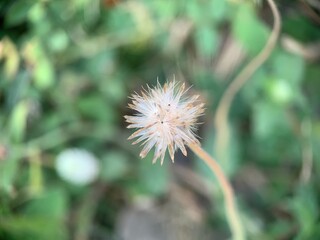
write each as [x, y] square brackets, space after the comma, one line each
[221, 119]
[231, 208]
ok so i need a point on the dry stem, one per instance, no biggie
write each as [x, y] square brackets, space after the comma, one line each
[230, 204]
[221, 123]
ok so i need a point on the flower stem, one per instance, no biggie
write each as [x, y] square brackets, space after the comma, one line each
[231, 208]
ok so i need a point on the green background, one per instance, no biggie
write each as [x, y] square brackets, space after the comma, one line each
[66, 71]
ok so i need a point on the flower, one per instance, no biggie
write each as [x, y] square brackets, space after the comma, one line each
[165, 119]
[77, 166]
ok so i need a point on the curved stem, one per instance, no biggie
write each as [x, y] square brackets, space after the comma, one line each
[221, 124]
[231, 208]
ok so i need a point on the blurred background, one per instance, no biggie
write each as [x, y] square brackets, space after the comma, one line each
[67, 68]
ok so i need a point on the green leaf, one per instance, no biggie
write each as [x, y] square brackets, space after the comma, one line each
[121, 21]
[8, 170]
[101, 64]
[153, 178]
[114, 89]
[51, 204]
[43, 72]
[218, 9]
[300, 28]
[207, 41]
[18, 12]
[272, 135]
[194, 11]
[18, 120]
[35, 173]
[58, 41]
[267, 119]
[306, 211]
[33, 228]
[94, 106]
[165, 9]
[288, 66]
[114, 166]
[278, 228]
[252, 91]
[279, 90]
[11, 58]
[249, 30]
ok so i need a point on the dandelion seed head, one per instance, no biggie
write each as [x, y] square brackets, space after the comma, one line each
[165, 119]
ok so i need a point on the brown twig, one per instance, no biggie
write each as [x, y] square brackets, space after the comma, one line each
[231, 208]
[309, 10]
[221, 118]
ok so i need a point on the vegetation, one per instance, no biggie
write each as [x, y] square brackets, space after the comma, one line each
[67, 69]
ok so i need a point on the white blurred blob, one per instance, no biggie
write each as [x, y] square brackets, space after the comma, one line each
[77, 166]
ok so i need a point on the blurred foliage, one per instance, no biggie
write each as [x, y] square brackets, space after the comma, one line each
[67, 68]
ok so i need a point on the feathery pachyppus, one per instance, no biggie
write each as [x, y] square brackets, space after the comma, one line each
[165, 118]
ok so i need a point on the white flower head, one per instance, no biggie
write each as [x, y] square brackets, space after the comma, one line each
[77, 166]
[166, 118]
